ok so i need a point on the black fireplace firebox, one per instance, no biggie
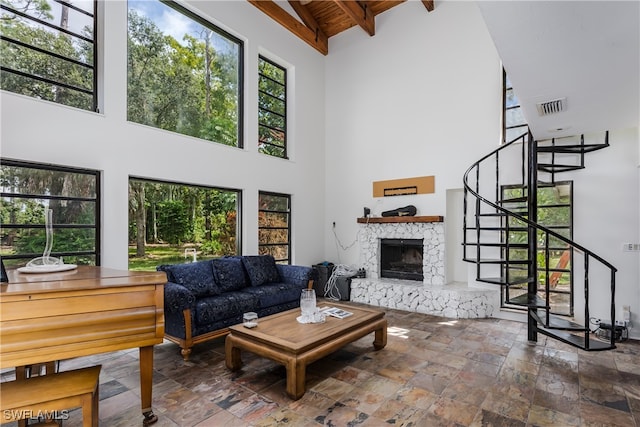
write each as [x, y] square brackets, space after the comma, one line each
[401, 259]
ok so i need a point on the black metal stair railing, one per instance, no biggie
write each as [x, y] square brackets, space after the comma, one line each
[493, 239]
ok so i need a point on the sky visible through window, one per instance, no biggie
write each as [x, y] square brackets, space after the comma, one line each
[173, 23]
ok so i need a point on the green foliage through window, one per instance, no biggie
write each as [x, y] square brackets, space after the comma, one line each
[188, 82]
[274, 226]
[48, 50]
[73, 196]
[272, 108]
[168, 221]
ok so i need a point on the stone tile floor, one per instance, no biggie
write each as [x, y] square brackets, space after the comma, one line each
[433, 372]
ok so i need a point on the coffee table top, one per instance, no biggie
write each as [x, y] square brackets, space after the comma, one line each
[283, 331]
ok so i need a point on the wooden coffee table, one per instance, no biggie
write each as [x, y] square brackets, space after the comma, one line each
[281, 338]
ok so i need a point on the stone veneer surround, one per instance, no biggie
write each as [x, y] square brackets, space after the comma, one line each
[432, 295]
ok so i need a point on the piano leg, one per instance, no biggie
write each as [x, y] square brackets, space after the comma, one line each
[146, 384]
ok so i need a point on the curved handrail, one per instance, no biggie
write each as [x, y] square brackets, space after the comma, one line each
[520, 217]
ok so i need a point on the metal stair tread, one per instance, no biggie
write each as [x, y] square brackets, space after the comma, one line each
[556, 322]
[570, 148]
[498, 245]
[500, 261]
[526, 300]
[503, 281]
[577, 341]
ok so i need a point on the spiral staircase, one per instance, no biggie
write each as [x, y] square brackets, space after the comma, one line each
[510, 248]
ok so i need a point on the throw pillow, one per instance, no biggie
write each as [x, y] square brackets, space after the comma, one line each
[229, 273]
[261, 269]
[197, 277]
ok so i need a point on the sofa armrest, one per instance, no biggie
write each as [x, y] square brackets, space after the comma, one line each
[177, 298]
[296, 274]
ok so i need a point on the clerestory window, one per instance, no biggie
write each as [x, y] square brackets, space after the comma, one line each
[272, 108]
[48, 50]
[184, 78]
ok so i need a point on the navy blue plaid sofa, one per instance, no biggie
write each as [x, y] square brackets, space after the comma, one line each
[202, 299]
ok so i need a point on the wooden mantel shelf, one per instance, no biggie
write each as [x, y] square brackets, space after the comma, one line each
[391, 219]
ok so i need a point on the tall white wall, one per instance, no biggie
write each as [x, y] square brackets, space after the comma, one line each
[45, 132]
[421, 97]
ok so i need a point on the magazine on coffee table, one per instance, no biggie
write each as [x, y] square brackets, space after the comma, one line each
[335, 312]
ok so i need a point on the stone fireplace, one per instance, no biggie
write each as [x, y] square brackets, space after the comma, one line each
[415, 243]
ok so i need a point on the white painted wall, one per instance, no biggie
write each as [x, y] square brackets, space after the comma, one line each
[421, 97]
[45, 132]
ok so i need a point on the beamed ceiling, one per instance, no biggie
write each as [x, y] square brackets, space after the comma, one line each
[318, 20]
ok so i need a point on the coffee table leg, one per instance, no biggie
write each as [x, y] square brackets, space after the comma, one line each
[296, 378]
[381, 336]
[232, 354]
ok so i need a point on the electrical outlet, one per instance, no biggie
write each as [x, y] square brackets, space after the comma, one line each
[620, 323]
[631, 247]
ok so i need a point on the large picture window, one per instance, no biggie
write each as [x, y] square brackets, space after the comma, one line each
[513, 121]
[27, 190]
[274, 226]
[272, 108]
[174, 223]
[48, 50]
[184, 73]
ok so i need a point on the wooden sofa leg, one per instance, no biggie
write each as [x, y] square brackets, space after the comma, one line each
[185, 352]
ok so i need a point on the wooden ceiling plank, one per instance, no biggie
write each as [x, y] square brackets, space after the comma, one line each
[360, 12]
[309, 20]
[428, 4]
[305, 33]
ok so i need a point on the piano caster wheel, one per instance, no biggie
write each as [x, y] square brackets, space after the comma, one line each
[149, 418]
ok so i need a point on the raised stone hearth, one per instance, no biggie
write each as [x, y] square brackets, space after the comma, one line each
[431, 295]
[456, 300]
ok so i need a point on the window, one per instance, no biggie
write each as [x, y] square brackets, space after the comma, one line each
[27, 189]
[274, 226]
[173, 223]
[48, 50]
[272, 108]
[184, 73]
[554, 211]
[514, 123]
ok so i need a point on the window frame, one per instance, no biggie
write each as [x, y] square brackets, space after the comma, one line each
[505, 126]
[288, 213]
[97, 226]
[239, 42]
[94, 68]
[238, 192]
[284, 101]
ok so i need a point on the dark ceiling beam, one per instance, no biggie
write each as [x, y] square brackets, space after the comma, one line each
[314, 37]
[428, 4]
[360, 12]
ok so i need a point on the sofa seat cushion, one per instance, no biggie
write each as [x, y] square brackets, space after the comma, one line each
[229, 304]
[197, 277]
[275, 293]
[261, 269]
[229, 273]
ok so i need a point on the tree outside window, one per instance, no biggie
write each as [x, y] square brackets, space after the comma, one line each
[48, 50]
[175, 223]
[274, 226]
[189, 81]
[272, 108]
[27, 189]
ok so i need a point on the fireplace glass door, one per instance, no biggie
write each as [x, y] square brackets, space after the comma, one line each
[401, 259]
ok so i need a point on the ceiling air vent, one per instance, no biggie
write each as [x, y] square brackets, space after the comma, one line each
[551, 107]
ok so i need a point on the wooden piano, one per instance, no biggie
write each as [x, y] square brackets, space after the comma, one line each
[88, 310]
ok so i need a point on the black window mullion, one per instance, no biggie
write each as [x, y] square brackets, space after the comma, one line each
[45, 23]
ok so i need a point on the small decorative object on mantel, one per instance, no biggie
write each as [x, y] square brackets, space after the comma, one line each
[405, 211]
